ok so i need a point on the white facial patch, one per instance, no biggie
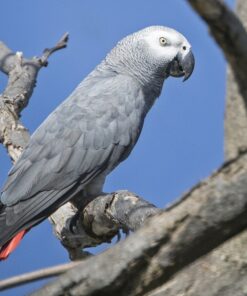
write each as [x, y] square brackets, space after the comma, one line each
[169, 50]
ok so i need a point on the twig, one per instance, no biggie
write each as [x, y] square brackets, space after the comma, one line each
[35, 275]
[62, 43]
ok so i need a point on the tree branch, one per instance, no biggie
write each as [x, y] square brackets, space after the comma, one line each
[208, 215]
[99, 221]
[230, 34]
[62, 43]
[22, 75]
[35, 275]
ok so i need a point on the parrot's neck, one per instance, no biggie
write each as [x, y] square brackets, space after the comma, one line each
[151, 82]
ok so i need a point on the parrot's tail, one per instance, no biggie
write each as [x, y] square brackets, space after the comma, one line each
[9, 247]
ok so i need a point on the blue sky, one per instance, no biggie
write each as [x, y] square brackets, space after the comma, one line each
[182, 139]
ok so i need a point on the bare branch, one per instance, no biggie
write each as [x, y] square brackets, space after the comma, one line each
[7, 58]
[209, 214]
[22, 74]
[229, 33]
[62, 43]
[99, 221]
[35, 275]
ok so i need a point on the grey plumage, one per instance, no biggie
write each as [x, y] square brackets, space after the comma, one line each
[91, 132]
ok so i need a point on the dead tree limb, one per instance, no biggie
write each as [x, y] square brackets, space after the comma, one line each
[100, 220]
[22, 74]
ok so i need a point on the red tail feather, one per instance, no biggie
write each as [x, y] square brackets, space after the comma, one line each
[11, 245]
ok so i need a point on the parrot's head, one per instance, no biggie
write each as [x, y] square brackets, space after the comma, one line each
[168, 49]
[154, 53]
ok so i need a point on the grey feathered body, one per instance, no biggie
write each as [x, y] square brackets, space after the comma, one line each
[92, 131]
[88, 135]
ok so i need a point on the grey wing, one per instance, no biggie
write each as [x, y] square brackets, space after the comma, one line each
[80, 140]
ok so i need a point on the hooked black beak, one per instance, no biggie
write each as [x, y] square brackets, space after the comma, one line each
[182, 65]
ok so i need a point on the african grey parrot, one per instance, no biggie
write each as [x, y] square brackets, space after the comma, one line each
[92, 131]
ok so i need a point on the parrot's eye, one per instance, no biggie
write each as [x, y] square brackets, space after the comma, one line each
[163, 41]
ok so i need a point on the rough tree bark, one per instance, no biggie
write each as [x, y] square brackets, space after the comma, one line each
[182, 250]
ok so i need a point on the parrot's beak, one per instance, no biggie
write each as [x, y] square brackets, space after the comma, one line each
[182, 65]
